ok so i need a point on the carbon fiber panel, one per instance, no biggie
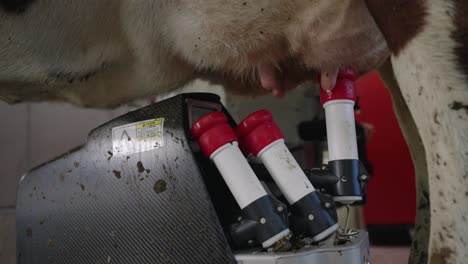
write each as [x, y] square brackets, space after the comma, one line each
[90, 206]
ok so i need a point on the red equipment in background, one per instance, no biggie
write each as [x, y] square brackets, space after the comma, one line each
[391, 196]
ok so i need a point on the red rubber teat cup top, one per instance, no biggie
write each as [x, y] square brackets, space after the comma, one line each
[257, 131]
[344, 88]
[212, 132]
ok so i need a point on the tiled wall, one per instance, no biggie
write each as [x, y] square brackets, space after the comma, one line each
[7, 236]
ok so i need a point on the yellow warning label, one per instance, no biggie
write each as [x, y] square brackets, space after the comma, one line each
[138, 137]
[151, 123]
[153, 135]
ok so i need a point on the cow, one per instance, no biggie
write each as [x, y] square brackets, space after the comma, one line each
[427, 78]
[104, 53]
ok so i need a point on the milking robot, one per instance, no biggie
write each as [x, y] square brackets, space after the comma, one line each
[180, 181]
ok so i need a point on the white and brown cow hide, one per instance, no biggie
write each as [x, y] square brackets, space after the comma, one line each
[102, 53]
[428, 80]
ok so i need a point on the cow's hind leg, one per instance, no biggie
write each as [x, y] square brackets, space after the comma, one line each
[405, 119]
[436, 91]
